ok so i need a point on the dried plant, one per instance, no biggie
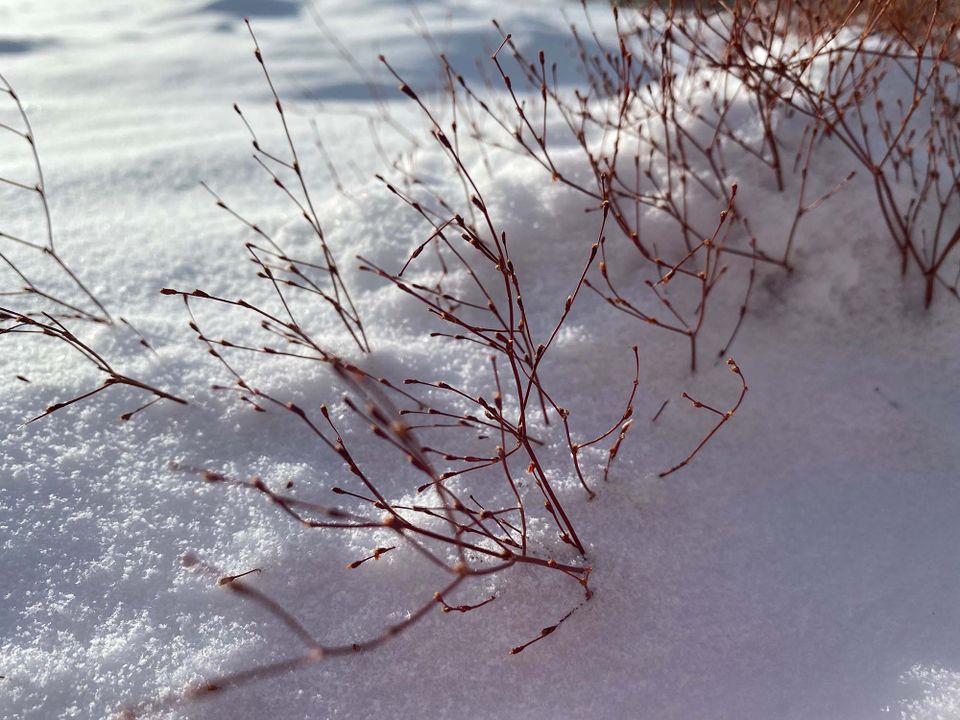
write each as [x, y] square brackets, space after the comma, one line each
[655, 117]
[273, 260]
[464, 524]
[65, 309]
[655, 138]
[843, 71]
[50, 326]
[657, 130]
[29, 309]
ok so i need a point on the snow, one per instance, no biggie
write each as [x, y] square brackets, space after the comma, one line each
[803, 566]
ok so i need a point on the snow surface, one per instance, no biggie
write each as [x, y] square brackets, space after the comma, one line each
[804, 566]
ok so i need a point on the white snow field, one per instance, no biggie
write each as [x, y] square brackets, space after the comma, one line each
[804, 566]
